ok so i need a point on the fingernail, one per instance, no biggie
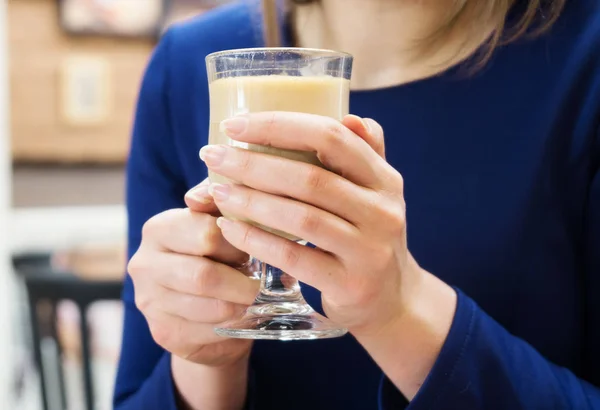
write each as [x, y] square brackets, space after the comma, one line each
[367, 124]
[213, 155]
[222, 222]
[219, 192]
[200, 194]
[234, 126]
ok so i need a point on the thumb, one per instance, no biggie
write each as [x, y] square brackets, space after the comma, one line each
[198, 199]
[369, 130]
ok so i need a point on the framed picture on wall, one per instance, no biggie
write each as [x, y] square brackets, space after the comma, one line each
[130, 18]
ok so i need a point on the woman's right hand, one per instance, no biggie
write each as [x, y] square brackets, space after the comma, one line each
[185, 284]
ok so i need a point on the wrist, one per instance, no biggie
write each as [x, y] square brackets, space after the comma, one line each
[223, 386]
[408, 346]
[399, 308]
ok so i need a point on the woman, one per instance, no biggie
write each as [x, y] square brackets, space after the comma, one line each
[489, 301]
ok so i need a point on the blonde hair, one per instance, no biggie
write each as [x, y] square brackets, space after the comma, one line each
[534, 17]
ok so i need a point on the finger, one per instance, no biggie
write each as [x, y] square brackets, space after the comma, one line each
[197, 308]
[280, 176]
[198, 199]
[369, 130]
[311, 266]
[338, 148]
[298, 219]
[223, 352]
[198, 276]
[191, 233]
[181, 336]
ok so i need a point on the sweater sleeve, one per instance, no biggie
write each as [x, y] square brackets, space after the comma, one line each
[482, 366]
[154, 184]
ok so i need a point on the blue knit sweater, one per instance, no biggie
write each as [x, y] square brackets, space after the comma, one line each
[502, 173]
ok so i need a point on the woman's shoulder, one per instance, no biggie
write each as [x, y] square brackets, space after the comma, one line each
[571, 49]
[579, 22]
[565, 55]
[234, 25]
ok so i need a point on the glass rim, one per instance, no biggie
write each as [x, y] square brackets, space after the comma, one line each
[315, 51]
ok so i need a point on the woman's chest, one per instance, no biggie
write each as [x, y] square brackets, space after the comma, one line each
[494, 207]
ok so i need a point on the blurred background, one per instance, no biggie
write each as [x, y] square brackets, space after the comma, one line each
[69, 77]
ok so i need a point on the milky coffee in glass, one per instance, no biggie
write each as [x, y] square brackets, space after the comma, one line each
[322, 95]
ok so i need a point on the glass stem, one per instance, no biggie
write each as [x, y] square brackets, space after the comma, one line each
[279, 292]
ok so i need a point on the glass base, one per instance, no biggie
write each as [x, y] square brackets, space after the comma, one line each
[281, 321]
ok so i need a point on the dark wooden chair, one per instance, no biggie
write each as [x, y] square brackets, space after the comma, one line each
[48, 286]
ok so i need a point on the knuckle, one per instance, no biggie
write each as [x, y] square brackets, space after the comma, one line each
[334, 141]
[160, 334]
[365, 294]
[394, 183]
[244, 161]
[136, 265]
[316, 179]
[382, 257]
[142, 302]
[396, 219]
[247, 235]
[150, 227]
[205, 278]
[372, 207]
[246, 199]
[335, 134]
[390, 214]
[210, 236]
[290, 255]
[309, 221]
[224, 310]
[271, 121]
[400, 182]
[155, 225]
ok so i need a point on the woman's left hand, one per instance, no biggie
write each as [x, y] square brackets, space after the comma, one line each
[353, 211]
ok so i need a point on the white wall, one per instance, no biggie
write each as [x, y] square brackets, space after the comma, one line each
[47, 229]
[6, 281]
